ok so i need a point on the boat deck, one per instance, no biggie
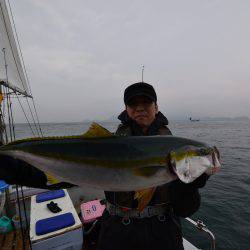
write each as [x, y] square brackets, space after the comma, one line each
[13, 241]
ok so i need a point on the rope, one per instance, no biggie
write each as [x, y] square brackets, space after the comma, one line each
[8, 98]
[2, 128]
[25, 214]
[9, 105]
[33, 116]
[25, 72]
[37, 117]
[12, 134]
[19, 47]
[34, 122]
[10, 112]
[20, 216]
[25, 115]
[15, 60]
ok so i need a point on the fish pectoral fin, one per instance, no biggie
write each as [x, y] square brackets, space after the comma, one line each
[51, 179]
[96, 130]
[54, 184]
[143, 197]
[1, 97]
[60, 185]
[147, 171]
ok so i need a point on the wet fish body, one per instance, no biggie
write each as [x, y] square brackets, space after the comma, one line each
[115, 163]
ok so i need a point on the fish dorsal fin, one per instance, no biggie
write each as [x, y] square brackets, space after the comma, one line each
[96, 130]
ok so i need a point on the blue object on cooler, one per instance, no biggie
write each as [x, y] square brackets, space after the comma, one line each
[3, 185]
[55, 223]
[50, 195]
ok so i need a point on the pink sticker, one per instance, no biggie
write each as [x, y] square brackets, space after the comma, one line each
[91, 211]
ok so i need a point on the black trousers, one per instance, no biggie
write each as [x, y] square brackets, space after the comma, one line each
[140, 234]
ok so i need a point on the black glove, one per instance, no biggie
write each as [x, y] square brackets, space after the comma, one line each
[15, 171]
[185, 198]
[200, 182]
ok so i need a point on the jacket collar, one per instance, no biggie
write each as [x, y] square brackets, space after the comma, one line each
[160, 120]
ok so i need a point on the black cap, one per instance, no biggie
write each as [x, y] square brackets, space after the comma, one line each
[139, 89]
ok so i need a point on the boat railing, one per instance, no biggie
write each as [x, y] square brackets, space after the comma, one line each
[202, 227]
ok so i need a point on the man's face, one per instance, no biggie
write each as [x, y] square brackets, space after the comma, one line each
[142, 110]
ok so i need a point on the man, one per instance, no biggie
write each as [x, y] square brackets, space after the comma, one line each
[157, 226]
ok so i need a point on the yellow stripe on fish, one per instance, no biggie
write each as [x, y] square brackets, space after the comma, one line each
[112, 163]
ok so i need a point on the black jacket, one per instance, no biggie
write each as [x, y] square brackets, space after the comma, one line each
[184, 198]
[150, 233]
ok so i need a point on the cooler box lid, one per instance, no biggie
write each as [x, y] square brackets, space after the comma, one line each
[50, 195]
[55, 223]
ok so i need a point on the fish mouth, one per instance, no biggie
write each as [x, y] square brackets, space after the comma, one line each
[190, 162]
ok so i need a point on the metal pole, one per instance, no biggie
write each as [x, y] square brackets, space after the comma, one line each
[142, 72]
[202, 227]
[11, 124]
[1, 120]
[2, 132]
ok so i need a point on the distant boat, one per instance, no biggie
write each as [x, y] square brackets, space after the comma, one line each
[194, 120]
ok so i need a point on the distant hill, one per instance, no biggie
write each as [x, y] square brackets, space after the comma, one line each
[207, 118]
[238, 118]
[109, 119]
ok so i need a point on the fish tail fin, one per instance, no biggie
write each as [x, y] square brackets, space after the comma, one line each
[143, 197]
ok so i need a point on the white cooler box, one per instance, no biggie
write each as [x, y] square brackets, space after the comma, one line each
[57, 231]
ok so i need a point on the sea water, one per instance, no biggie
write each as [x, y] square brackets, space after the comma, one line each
[225, 205]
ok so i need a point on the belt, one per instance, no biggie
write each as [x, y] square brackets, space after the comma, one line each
[147, 212]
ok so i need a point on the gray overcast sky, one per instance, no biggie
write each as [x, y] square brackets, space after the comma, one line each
[80, 55]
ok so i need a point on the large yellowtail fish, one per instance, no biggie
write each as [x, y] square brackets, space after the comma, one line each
[108, 162]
